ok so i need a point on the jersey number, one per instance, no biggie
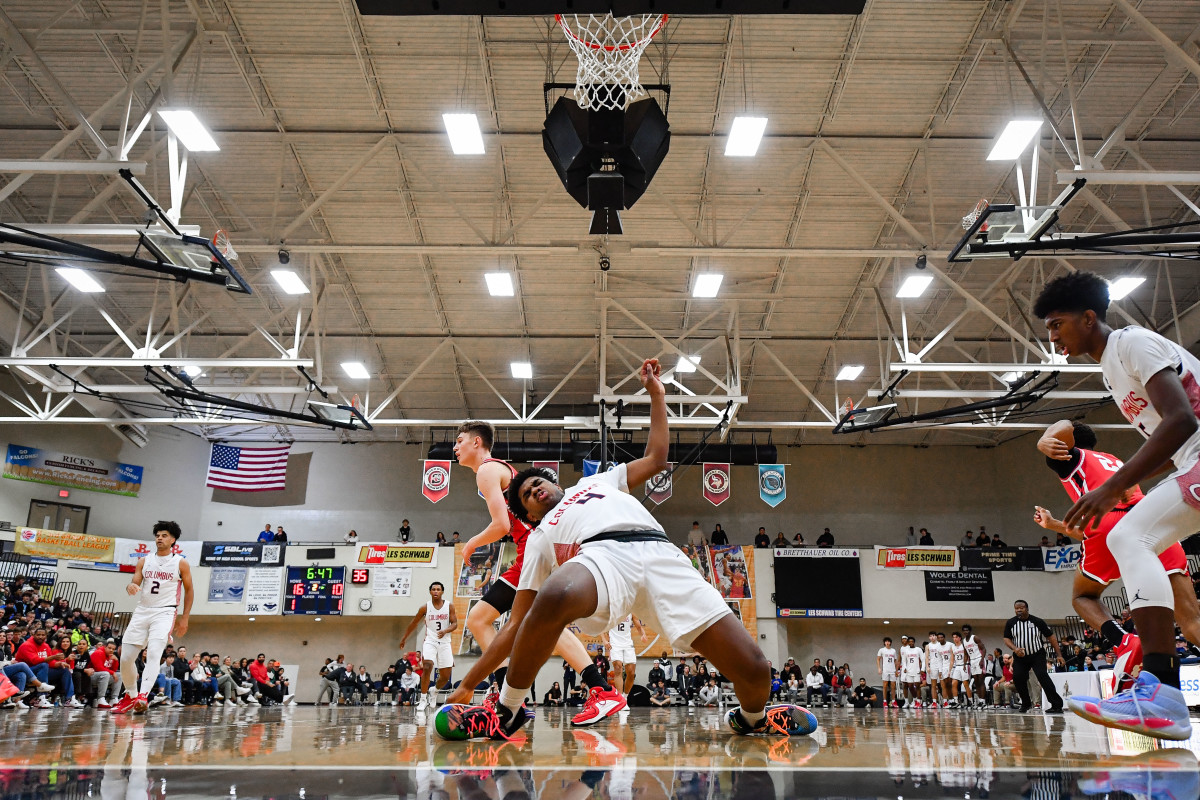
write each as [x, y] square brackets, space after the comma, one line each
[439, 625]
[154, 587]
[1110, 464]
[589, 496]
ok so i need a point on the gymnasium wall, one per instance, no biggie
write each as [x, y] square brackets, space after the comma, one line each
[866, 495]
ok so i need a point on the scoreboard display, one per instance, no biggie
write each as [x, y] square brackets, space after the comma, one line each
[315, 591]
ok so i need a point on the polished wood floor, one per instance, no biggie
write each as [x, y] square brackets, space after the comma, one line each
[311, 752]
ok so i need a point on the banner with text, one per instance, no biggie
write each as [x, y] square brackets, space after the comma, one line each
[435, 480]
[128, 551]
[78, 472]
[943, 558]
[240, 554]
[715, 482]
[974, 586]
[392, 582]
[772, 483]
[1062, 558]
[1004, 559]
[59, 544]
[226, 584]
[425, 555]
[264, 586]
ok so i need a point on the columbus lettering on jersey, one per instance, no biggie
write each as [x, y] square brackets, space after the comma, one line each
[158, 575]
[1132, 406]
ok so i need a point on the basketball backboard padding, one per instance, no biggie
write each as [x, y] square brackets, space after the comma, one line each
[618, 8]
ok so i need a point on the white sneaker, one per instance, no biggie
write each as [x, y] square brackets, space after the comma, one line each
[102, 703]
[176, 704]
[252, 700]
[157, 700]
[289, 699]
[45, 688]
[376, 702]
[20, 705]
[74, 703]
[241, 690]
[43, 702]
[424, 704]
[218, 697]
[229, 703]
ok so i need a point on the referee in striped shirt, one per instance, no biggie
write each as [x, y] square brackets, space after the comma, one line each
[1026, 635]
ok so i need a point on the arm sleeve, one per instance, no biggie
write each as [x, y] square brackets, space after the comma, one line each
[1063, 469]
[1008, 629]
[1042, 627]
[1143, 354]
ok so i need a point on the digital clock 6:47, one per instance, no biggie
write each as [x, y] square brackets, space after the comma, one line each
[314, 591]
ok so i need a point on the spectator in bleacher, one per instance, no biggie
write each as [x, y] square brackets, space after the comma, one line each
[718, 536]
[910, 538]
[1062, 540]
[440, 541]
[1045, 542]
[81, 668]
[454, 538]
[266, 534]
[172, 687]
[410, 684]
[105, 678]
[781, 541]
[798, 540]
[968, 540]
[62, 659]
[926, 540]
[841, 687]
[389, 684]
[983, 540]
[864, 695]
[695, 536]
[816, 685]
[554, 697]
[83, 633]
[825, 539]
[265, 686]
[709, 694]
[761, 540]
[661, 696]
[364, 685]
[405, 532]
[241, 687]
[656, 675]
[280, 535]
[1003, 689]
[997, 542]
[350, 538]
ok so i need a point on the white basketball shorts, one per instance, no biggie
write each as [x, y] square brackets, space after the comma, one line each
[149, 625]
[653, 580]
[626, 655]
[888, 677]
[438, 651]
[959, 674]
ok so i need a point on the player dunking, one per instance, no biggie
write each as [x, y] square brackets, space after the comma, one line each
[620, 648]
[473, 449]
[436, 653]
[885, 665]
[160, 581]
[1154, 384]
[1070, 450]
[595, 556]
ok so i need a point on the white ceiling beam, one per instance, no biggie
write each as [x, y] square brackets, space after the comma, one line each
[973, 394]
[1129, 177]
[1174, 52]
[138, 363]
[65, 167]
[215, 388]
[997, 368]
[85, 230]
[334, 187]
[678, 399]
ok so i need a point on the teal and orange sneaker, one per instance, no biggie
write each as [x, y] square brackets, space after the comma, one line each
[784, 719]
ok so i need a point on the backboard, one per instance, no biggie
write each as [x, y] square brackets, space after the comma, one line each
[193, 254]
[858, 419]
[1004, 230]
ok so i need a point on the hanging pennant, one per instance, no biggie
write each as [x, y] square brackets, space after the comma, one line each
[772, 484]
[659, 487]
[716, 483]
[435, 480]
[550, 465]
[590, 467]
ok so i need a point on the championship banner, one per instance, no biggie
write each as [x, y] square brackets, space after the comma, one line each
[940, 558]
[1004, 559]
[423, 554]
[1061, 559]
[435, 480]
[550, 465]
[715, 482]
[77, 472]
[665, 483]
[772, 484]
[58, 544]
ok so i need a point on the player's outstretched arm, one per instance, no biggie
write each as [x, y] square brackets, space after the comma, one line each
[487, 481]
[1046, 520]
[498, 650]
[417, 620]
[1057, 441]
[658, 441]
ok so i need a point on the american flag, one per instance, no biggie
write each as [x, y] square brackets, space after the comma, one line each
[247, 469]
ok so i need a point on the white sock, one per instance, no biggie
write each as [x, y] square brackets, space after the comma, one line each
[752, 717]
[129, 675]
[512, 698]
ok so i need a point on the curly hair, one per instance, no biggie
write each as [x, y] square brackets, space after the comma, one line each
[513, 495]
[1085, 437]
[170, 527]
[1075, 292]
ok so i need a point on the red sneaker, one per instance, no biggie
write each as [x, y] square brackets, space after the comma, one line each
[1128, 663]
[601, 703]
[125, 706]
[140, 704]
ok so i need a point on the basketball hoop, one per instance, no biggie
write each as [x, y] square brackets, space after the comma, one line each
[969, 219]
[221, 241]
[609, 49]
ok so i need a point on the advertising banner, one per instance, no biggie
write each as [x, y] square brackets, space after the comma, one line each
[58, 544]
[715, 482]
[940, 558]
[240, 554]
[1060, 559]
[383, 553]
[128, 551]
[78, 472]
[226, 584]
[263, 588]
[972, 586]
[392, 582]
[435, 480]
[1004, 559]
[772, 484]
[816, 552]
[659, 488]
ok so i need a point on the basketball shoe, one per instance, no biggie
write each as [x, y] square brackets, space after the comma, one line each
[125, 705]
[1128, 661]
[601, 703]
[1154, 775]
[780, 720]
[1149, 707]
[461, 722]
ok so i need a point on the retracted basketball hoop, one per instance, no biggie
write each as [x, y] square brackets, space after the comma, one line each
[609, 49]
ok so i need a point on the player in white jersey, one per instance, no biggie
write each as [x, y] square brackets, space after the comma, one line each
[620, 650]
[976, 651]
[959, 673]
[912, 663]
[885, 665]
[436, 653]
[1154, 383]
[161, 582]
[595, 556]
[933, 669]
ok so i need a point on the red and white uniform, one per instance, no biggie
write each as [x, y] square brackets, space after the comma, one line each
[912, 662]
[1093, 469]
[620, 641]
[958, 672]
[519, 532]
[434, 649]
[887, 664]
[974, 656]
[158, 601]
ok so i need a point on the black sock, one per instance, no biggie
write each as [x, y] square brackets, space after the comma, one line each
[592, 678]
[1162, 666]
[1113, 632]
[498, 675]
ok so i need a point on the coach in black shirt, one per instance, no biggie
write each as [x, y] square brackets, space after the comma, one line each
[1026, 635]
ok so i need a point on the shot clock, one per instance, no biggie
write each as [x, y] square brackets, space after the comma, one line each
[314, 591]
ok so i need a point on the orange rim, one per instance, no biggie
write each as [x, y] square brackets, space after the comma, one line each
[592, 45]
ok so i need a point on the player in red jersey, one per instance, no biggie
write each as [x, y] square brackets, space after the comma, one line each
[1070, 451]
[473, 449]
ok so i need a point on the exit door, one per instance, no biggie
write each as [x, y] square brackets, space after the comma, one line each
[58, 516]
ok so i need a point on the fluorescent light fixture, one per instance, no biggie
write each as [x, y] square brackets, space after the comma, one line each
[914, 286]
[1116, 290]
[289, 281]
[745, 136]
[707, 284]
[500, 284]
[80, 279]
[850, 372]
[521, 370]
[192, 371]
[463, 130]
[687, 364]
[356, 370]
[1012, 377]
[189, 129]
[1014, 139]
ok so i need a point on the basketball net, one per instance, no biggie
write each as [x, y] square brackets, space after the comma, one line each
[609, 49]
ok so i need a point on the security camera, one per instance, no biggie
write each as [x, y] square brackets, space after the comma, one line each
[922, 262]
[284, 256]
[605, 264]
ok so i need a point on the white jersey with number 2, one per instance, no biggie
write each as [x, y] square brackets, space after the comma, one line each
[162, 581]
